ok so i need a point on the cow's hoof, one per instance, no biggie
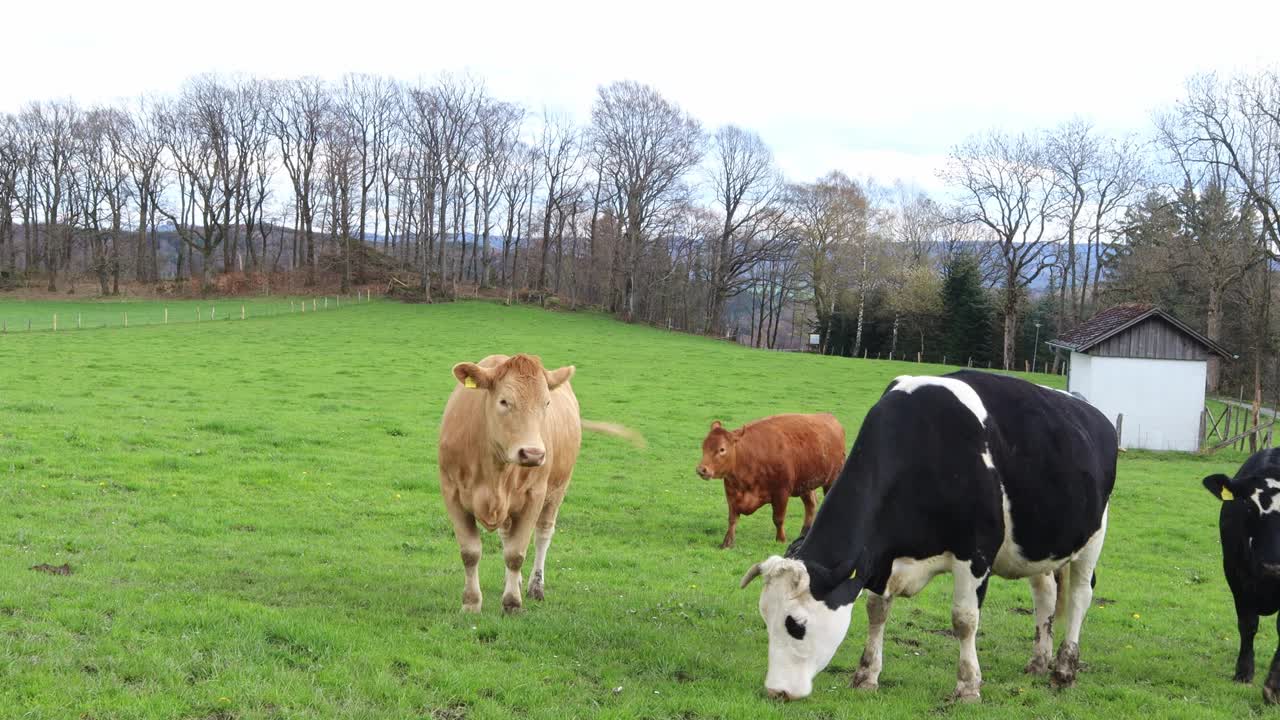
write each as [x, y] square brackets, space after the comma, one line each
[1270, 695]
[727, 544]
[471, 607]
[1038, 665]
[1064, 670]
[966, 693]
[863, 679]
[511, 605]
[1244, 678]
[535, 586]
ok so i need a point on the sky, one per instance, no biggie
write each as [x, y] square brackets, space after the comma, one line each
[881, 90]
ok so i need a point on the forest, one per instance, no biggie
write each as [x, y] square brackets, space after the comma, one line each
[443, 190]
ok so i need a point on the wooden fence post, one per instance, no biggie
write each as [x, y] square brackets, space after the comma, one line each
[55, 322]
[126, 319]
[79, 320]
[166, 316]
[1119, 427]
[241, 312]
[1203, 428]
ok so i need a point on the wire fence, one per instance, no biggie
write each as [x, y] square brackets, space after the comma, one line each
[19, 316]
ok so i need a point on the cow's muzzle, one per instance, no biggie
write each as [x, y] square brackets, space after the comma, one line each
[703, 472]
[531, 457]
[782, 695]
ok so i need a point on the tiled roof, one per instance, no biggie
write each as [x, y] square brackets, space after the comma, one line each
[1116, 319]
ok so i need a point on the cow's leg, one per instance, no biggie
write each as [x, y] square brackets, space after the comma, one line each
[464, 528]
[780, 515]
[1079, 596]
[964, 623]
[1247, 622]
[732, 532]
[1044, 593]
[515, 543]
[543, 530]
[1271, 688]
[867, 676]
[810, 500]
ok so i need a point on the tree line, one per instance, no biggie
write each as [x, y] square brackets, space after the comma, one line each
[645, 213]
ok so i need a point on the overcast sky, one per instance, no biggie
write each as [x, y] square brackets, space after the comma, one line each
[881, 91]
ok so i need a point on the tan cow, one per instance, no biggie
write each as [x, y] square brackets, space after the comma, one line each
[508, 443]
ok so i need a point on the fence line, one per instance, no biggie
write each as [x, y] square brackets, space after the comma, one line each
[295, 306]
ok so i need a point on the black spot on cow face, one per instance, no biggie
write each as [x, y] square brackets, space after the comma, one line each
[794, 629]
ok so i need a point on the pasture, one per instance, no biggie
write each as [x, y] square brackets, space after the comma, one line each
[252, 516]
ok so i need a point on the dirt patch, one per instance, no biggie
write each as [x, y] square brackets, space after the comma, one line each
[456, 711]
[1022, 611]
[63, 569]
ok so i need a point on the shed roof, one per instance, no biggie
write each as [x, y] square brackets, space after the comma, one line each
[1116, 320]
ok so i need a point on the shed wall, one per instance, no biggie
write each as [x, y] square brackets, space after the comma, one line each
[1161, 399]
[1153, 338]
[1079, 375]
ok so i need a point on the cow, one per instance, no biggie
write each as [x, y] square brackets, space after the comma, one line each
[509, 440]
[771, 460]
[970, 473]
[1249, 526]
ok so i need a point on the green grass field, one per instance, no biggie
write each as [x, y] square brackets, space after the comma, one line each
[252, 514]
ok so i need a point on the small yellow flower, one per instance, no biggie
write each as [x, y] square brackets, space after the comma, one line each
[224, 700]
[397, 496]
[1136, 616]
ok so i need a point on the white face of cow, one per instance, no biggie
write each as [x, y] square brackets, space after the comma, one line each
[804, 633]
[518, 393]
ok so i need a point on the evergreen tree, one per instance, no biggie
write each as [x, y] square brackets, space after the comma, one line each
[966, 312]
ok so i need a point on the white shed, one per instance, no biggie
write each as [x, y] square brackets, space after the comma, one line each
[1140, 361]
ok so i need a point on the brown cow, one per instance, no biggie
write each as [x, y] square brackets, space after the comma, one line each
[770, 460]
[508, 443]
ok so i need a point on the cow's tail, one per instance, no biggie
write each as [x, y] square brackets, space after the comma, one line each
[615, 430]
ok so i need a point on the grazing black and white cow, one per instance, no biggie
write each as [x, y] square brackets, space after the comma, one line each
[969, 473]
[1249, 524]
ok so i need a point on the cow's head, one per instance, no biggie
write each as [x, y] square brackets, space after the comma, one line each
[1259, 496]
[718, 451]
[517, 395]
[804, 632]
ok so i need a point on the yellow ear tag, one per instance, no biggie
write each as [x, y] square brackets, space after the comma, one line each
[469, 383]
[853, 574]
[1226, 495]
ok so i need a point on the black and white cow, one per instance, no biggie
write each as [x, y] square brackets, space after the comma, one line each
[1249, 524]
[969, 473]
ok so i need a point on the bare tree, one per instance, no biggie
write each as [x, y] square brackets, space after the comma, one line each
[646, 145]
[140, 141]
[558, 154]
[299, 111]
[831, 219]
[1007, 188]
[748, 193]
[1233, 127]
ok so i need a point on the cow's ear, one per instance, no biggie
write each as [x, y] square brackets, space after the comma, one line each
[473, 376]
[1219, 485]
[846, 592]
[558, 377]
[716, 424]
